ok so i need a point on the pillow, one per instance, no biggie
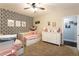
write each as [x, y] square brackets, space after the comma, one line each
[29, 33]
[45, 29]
[23, 33]
[18, 42]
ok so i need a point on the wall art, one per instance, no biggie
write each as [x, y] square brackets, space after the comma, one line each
[23, 24]
[10, 23]
[53, 24]
[18, 23]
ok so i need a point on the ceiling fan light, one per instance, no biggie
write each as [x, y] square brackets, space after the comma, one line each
[38, 4]
[35, 6]
[34, 9]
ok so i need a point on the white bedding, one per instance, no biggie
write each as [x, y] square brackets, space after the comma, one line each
[6, 45]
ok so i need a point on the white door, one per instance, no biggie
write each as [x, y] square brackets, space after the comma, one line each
[78, 32]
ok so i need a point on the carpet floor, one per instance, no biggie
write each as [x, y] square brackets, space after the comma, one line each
[46, 49]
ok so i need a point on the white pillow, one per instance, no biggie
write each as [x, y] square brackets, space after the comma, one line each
[17, 41]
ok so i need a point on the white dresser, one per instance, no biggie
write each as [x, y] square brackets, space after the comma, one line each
[52, 37]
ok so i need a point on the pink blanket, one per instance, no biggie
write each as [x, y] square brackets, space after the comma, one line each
[10, 51]
[30, 37]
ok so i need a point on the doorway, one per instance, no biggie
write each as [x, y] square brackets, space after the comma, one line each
[70, 31]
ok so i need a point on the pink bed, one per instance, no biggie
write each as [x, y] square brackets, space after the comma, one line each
[31, 35]
[31, 38]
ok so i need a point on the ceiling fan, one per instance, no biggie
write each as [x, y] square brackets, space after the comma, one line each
[34, 5]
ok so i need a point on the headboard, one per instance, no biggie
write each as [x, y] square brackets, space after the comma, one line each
[4, 38]
[6, 41]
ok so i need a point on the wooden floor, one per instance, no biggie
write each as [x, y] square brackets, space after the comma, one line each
[46, 49]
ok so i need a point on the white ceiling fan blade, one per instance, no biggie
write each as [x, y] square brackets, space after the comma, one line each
[28, 3]
[41, 8]
[26, 8]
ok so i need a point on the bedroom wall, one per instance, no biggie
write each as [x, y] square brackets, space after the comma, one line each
[6, 14]
[55, 16]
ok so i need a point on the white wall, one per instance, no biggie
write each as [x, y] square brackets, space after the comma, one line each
[54, 15]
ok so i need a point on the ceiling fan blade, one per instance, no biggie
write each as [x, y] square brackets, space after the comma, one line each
[26, 8]
[41, 8]
[28, 3]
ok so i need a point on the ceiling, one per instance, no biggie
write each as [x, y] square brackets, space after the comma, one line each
[19, 7]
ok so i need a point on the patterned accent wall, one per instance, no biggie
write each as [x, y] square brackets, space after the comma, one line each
[6, 14]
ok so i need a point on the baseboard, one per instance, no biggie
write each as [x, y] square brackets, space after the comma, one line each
[51, 43]
[73, 44]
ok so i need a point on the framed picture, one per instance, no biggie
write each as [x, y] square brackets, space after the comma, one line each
[75, 23]
[18, 23]
[37, 22]
[71, 22]
[67, 26]
[49, 24]
[53, 24]
[23, 24]
[10, 23]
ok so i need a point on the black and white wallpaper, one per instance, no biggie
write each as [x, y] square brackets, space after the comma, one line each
[6, 14]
